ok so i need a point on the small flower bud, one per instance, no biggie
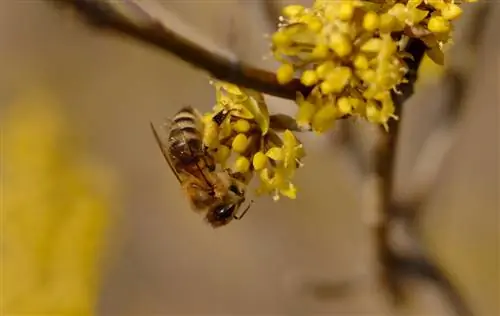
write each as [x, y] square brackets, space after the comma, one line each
[372, 112]
[340, 44]
[240, 143]
[291, 11]
[314, 24]
[337, 79]
[259, 161]
[275, 153]
[451, 11]
[346, 11]
[327, 87]
[373, 45]
[371, 21]
[399, 12]
[242, 164]
[414, 3]
[324, 118]
[305, 113]
[344, 105]
[387, 23]
[320, 51]
[368, 75]
[416, 16]
[361, 62]
[222, 154]
[325, 68]
[285, 73]
[241, 126]
[438, 24]
[280, 39]
[309, 78]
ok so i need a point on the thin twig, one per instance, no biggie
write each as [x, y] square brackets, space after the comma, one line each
[104, 16]
[271, 11]
[397, 266]
[385, 167]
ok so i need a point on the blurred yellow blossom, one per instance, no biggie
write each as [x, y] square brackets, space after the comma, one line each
[54, 213]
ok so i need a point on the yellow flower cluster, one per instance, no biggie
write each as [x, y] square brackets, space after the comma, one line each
[351, 53]
[240, 134]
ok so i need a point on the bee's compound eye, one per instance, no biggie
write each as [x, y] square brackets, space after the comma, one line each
[224, 212]
[234, 189]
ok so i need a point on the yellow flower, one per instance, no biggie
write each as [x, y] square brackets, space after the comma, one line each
[240, 124]
[347, 48]
[277, 184]
[286, 158]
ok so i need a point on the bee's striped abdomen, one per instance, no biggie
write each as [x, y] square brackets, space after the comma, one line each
[185, 138]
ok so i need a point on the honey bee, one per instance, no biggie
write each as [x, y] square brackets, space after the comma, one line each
[218, 193]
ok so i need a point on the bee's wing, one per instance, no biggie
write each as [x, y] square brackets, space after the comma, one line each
[163, 148]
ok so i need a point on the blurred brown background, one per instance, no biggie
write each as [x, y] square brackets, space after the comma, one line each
[162, 260]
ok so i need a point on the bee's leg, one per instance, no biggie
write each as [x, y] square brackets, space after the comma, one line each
[238, 217]
[221, 116]
[197, 197]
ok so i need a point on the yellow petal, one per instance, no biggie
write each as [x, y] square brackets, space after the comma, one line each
[416, 15]
[290, 191]
[324, 118]
[289, 139]
[436, 55]
[293, 10]
[275, 153]
[451, 11]
[256, 105]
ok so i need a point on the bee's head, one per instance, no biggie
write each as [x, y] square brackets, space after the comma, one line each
[220, 215]
[224, 212]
